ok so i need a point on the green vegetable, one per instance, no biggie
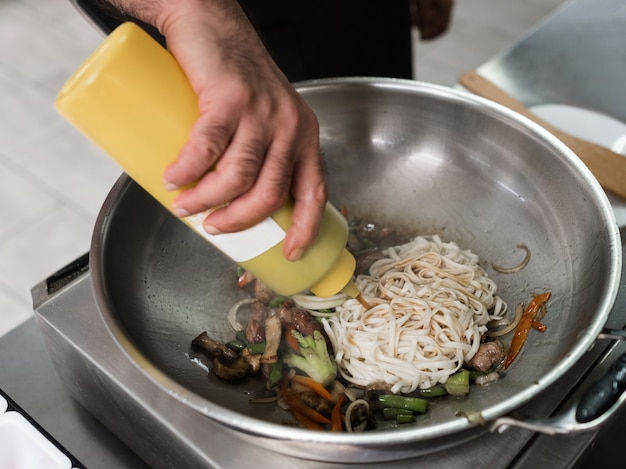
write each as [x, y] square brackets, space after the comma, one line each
[253, 348]
[390, 413]
[275, 374]
[400, 418]
[276, 301]
[473, 374]
[458, 383]
[256, 349]
[236, 345]
[434, 391]
[401, 402]
[312, 358]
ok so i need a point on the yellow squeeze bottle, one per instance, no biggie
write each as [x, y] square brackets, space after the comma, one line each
[131, 98]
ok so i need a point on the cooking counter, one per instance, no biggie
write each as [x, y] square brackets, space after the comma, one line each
[577, 56]
[28, 375]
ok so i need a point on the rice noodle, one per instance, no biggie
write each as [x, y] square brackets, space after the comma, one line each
[431, 302]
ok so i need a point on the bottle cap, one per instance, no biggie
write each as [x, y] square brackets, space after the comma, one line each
[338, 278]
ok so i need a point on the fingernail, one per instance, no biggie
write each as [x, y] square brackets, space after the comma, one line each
[211, 230]
[180, 212]
[170, 186]
[295, 255]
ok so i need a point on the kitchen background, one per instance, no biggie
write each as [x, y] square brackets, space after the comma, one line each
[53, 181]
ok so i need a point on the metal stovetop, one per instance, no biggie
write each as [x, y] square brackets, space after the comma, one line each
[81, 346]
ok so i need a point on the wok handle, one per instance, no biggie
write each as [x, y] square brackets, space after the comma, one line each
[604, 393]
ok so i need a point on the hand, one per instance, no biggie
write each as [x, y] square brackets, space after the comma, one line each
[431, 17]
[256, 141]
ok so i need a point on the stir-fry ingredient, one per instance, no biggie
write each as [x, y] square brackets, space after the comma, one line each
[431, 302]
[525, 324]
[312, 358]
[414, 404]
[458, 383]
[430, 324]
[313, 385]
[517, 268]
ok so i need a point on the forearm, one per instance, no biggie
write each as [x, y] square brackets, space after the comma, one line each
[161, 13]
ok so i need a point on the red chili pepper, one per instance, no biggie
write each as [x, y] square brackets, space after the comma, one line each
[538, 326]
[244, 279]
[524, 326]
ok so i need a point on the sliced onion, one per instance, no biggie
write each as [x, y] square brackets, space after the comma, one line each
[517, 268]
[348, 416]
[265, 400]
[232, 313]
[487, 379]
[316, 303]
[519, 310]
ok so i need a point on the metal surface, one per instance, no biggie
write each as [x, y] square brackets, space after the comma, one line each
[28, 374]
[97, 373]
[420, 158]
[576, 56]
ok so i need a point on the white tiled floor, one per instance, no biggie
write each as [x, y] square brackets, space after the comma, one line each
[53, 181]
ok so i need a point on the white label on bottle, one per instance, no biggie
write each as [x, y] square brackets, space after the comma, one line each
[242, 245]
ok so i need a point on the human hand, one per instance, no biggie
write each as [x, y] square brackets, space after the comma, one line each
[256, 141]
[431, 17]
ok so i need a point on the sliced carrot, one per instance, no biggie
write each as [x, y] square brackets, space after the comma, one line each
[291, 341]
[313, 385]
[306, 422]
[244, 279]
[336, 423]
[296, 404]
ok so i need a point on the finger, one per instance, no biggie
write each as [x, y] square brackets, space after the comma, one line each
[234, 173]
[266, 196]
[310, 196]
[208, 139]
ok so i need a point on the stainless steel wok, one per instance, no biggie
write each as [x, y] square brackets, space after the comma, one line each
[422, 159]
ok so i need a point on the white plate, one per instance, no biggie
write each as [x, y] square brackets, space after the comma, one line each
[594, 127]
[23, 446]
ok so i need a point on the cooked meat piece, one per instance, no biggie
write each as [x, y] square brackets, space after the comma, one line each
[255, 329]
[488, 355]
[365, 261]
[317, 402]
[284, 313]
[273, 330]
[304, 322]
[262, 292]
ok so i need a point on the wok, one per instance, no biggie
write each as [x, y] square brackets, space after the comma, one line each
[422, 159]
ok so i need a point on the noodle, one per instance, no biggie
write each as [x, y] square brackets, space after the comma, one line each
[431, 303]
